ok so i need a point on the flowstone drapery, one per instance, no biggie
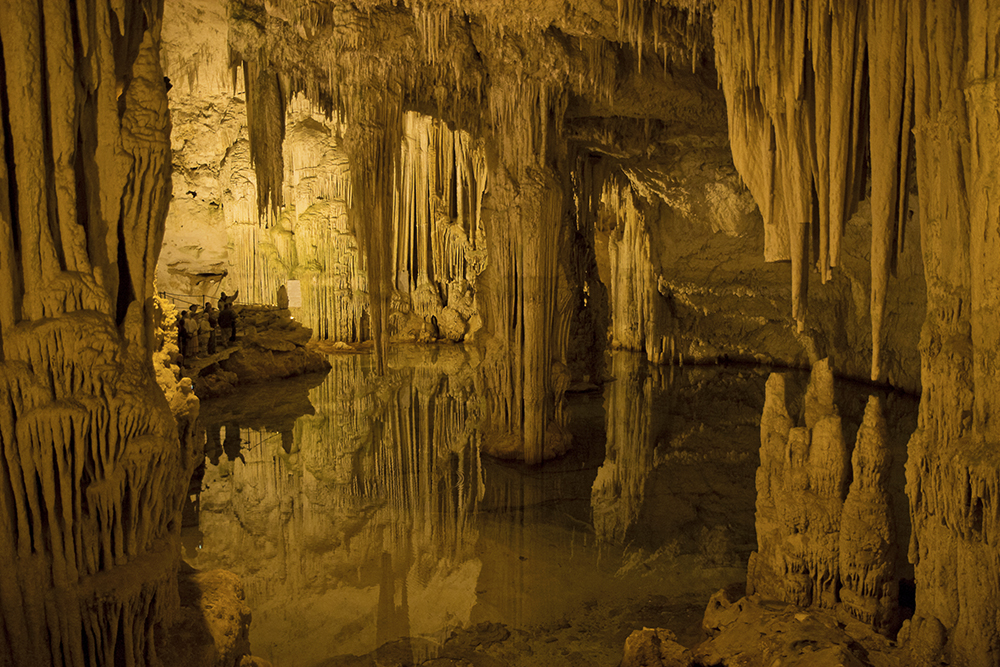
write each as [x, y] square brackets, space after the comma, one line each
[92, 474]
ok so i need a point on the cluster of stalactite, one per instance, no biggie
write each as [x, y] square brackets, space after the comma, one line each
[437, 231]
[437, 240]
[675, 33]
[91, 469]
[311, 239]
[792, 73]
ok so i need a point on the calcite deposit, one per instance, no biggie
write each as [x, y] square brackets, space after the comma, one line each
[93, 472]
[778, 182]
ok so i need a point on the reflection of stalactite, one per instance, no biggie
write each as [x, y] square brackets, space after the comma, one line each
[386, 465]
[426, 459]
[632, 403]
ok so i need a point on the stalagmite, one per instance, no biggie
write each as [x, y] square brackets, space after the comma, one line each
[870, 586]
[801, 485]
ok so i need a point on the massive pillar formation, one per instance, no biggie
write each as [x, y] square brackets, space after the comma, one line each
[526, 230]
[92, 474]
[952, 469]
[523, 218]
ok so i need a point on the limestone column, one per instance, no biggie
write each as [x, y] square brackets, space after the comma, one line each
[93, 474]
[372, 144]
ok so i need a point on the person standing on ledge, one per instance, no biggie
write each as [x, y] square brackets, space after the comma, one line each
[227, 320]
[191, 330]
[212, 316]
[223, 300]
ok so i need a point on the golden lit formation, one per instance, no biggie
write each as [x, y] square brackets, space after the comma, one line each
[483, 332]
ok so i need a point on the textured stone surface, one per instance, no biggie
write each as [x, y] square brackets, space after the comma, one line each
[874, 182]
[801, 484]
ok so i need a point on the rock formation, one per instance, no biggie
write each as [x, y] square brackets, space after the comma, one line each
[801, 484]
[870, 585]
[865, 133]
[93, 472]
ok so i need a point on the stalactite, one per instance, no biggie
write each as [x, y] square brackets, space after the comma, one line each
[640, 318]
[890, 124]
[781, 66]
[520, 290]
[372, 143]
[266, 103]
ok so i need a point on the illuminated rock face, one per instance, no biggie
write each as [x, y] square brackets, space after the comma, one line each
[93, 472]
[535, 86]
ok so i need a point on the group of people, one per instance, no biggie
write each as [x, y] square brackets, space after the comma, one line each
[200, 332]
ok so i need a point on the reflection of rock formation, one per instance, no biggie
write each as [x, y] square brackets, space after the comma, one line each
[363, 519]
[634, 406]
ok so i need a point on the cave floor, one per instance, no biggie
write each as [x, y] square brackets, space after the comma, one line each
[368, 529]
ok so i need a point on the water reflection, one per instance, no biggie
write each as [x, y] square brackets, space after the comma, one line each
[357, 510]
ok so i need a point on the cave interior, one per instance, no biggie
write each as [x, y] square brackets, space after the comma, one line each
[491, 221]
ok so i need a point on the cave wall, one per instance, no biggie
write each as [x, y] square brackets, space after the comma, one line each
[93, 472]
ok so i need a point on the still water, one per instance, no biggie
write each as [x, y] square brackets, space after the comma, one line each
[359, 513]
